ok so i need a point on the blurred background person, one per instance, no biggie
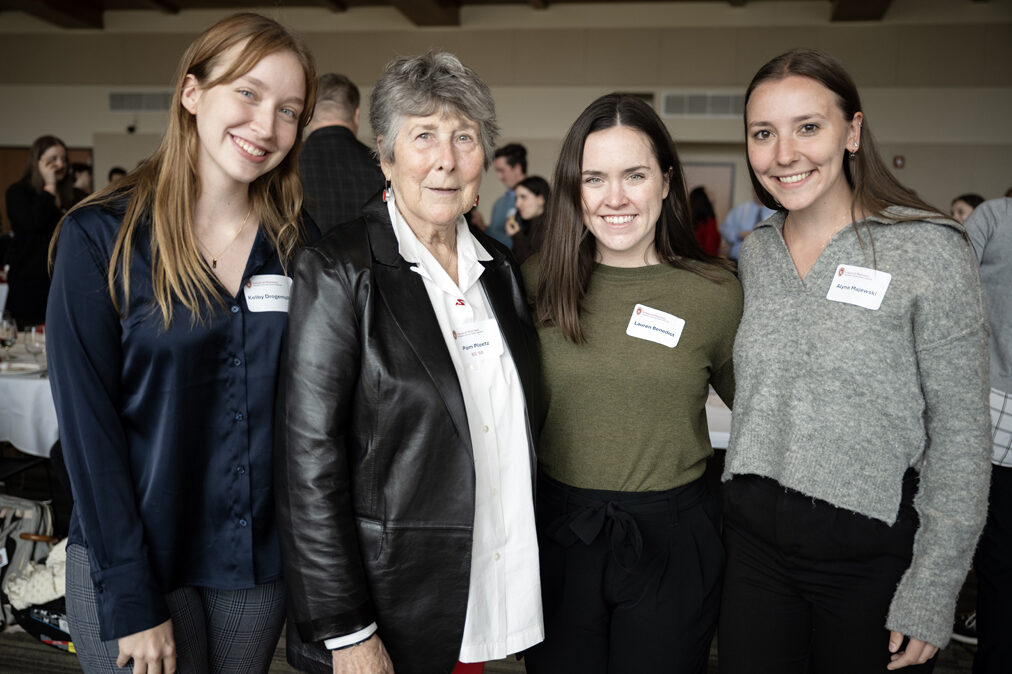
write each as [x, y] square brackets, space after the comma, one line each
[164, 333]
[410, 408]
[990, 230]
[740, 222]
[527, 227]
[84, 183]
[339, 174]
[704, 221]
[963, 205]
[115, 173]
[636, 323]
[35, 205]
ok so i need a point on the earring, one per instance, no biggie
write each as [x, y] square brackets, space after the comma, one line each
[477, 198]
[386, 191]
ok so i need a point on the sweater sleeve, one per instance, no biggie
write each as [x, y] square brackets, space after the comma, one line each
[85, 364]
[951, 344]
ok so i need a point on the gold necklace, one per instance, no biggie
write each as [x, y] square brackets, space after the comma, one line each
[214, 258]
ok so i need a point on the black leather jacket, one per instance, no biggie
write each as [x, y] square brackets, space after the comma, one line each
[374, 466]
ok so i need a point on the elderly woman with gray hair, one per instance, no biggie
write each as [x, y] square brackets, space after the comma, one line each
[408, 403]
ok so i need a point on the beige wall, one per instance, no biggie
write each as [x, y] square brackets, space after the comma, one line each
[934, 76]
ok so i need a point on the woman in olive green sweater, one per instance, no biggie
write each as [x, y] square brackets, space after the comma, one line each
[636, 322]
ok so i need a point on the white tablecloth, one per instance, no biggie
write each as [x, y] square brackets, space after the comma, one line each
[27, 412]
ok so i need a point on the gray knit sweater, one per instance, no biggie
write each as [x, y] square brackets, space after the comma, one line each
[836, 401]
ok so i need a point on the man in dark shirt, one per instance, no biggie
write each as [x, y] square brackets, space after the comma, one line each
[339, 174]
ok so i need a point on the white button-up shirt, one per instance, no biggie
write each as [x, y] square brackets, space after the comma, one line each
[504, 598]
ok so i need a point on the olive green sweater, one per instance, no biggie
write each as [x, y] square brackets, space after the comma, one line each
[627, 414]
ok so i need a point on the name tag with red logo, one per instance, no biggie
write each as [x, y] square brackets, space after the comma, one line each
[479, 340]
[859, 286]
[654, 325]
[268, 292]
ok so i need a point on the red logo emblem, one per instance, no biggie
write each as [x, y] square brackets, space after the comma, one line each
[639, 310]
[460, 303]
[840, 273]
[454, 333]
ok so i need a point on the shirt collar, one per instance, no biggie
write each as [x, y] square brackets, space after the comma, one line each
[470, 253]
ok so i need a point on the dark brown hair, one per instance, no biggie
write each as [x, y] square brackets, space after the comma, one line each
[32, 176]
[874, 186]
[569, 251]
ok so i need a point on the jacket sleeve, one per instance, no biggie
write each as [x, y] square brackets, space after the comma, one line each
[951, 342]
[319, 542]
[85, 363]
[33, 216]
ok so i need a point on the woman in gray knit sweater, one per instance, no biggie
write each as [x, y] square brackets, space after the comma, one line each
[857, 471]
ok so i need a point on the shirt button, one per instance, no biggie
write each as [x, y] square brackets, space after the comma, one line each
[234, 309]
[496, 556]
[241, 470]
[236, 362]
[484, 429]
[243, 522]
[238, 416]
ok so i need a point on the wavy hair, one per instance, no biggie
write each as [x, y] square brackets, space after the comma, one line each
[569, 250]
[419, 86]
[161, 193]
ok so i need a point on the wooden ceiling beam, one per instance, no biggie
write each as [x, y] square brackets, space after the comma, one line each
[62, 13]
[428, 12]
[859, 10]
[165, 5]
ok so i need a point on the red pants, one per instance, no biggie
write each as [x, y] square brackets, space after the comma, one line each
[469, 668]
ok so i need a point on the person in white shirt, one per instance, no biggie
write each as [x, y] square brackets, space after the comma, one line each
[407, 405]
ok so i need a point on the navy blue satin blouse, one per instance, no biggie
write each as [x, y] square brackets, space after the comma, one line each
[166, 433]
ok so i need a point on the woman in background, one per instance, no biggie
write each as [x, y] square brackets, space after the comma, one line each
[169, 301]
[857, 471]
[963, 205]
[704, 221]
[35, 205]
[636, 323]
[527, 230]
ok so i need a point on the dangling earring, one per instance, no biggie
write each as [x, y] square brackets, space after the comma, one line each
[853, 153]
[386, 191]
[477, 198]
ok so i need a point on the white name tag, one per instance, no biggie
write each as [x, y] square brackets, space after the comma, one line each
[268, 292]
[655, 326]
[479, 340]
[859, 286]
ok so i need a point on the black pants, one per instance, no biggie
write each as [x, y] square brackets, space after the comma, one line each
[993, 564]
[630, 581]
[808, 585]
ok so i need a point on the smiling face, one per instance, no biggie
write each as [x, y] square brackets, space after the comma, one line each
[797, 139]
[529, 204]
[247, 126]
[436, 169]
[623, 188]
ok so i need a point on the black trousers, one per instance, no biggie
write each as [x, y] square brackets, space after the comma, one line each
[808, 585]
[993, 564]
[630, 581]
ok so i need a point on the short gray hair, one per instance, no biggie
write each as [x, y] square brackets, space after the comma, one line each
[419, 86]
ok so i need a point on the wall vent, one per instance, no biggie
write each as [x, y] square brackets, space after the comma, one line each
[703, 104]
[140, 101]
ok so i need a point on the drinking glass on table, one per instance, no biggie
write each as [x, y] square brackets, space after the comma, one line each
[8, 333]
[34, 339]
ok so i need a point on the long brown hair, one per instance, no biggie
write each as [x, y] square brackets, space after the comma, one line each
[569, 250]
[32, 176]
[873, 185]
[163, 190]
